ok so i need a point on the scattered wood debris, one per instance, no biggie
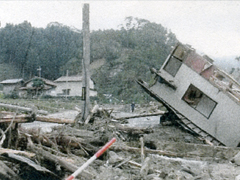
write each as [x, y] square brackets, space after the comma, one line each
[158, 152]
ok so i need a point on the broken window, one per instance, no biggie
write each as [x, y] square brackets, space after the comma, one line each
[179, 52]
[199, 101]
[173, 66]
[175, 62]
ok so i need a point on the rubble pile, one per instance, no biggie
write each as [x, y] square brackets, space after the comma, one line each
[149, 153]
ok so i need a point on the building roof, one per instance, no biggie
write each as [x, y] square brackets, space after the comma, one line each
[46, 81]
[69, 79]
[11, 81]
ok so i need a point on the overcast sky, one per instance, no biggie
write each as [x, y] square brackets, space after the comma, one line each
[212, 27]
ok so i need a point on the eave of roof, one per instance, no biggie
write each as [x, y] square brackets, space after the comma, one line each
[69, 79]
[11, 81]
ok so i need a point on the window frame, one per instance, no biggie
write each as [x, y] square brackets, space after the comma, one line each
[168, 68]
[66, 91]
[198, 100]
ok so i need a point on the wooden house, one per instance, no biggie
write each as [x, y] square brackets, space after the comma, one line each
[11, 85]
[37, 86]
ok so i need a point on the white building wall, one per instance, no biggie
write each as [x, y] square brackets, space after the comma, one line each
[8, 89]
[224, 121]
[75, 88]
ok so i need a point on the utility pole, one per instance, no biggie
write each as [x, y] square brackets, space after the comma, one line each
[67, 93]
[85, 63]
[39, 71]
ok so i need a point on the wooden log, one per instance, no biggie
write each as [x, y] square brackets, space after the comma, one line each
[132, 130]
[94, 110]
[145, 167]
[6, 173]
[18, 152]
[54, 120]
[65, 142]
[69, 131]
[23, 118]
[123, 162]
[27, 162]
[20, 108]
[57, 160]
[133, 163]
[3, 138]
[142, 150]
[138, 115]
[138, 150]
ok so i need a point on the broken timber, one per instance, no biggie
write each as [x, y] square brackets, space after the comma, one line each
[139, 115]
[25, 109]
[17, 119]
[54, 119]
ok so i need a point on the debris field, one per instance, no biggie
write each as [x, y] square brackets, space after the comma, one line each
[149, 152]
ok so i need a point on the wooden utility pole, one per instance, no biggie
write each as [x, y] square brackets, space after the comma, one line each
[39, 71]
[85, 63]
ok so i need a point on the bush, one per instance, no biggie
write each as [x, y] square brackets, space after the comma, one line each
[13, 95]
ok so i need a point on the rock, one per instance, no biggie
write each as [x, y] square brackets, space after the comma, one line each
[236, 159]
[109, 173]
[237, 177]
[114, 158]
[153, 177]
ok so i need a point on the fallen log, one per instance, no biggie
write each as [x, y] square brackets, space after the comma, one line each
[135, 164]
[123, 162]
[94, 110]
[138, 115]
[142, 150]
[23, 118]
[132, 130]
[6, 173]
[27, 162]
[57, 160]
[69, 131]
[22, 153]
[65, 143]
[138, 150]
[145, 167]
[25, 109]
[54, 120]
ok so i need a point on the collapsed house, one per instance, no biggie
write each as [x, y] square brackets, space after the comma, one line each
[198, 95]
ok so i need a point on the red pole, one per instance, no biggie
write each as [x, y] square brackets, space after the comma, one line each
[95, 156]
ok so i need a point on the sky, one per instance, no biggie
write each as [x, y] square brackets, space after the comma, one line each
[211, 27]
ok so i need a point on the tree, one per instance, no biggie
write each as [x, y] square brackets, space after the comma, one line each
[128, 51]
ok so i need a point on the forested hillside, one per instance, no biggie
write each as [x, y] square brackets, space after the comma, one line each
[127, 52]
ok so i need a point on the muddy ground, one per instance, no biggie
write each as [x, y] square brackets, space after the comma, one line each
[170, 152]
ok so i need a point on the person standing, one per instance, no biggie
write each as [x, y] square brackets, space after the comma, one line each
[132, 106]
